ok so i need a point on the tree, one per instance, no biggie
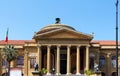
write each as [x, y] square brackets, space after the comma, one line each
[9, 54]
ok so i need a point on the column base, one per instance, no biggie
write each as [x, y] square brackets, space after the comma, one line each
[58, 74]
[68, 74]
[78, 74]
[48, 74]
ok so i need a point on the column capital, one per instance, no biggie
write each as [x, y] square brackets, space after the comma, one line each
[87, 46]
[58, 46]
[108, 55]
[78, 46]
[48, 46]
[39, 45]
[26, 52]
[68, 46]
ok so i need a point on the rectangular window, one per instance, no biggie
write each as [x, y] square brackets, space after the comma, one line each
[20, 61]
[4, 63]
[32, 62]
[102, 61]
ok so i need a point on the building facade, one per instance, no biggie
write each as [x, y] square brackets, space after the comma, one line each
[61, 47]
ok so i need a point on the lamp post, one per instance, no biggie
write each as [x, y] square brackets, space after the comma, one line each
[116, 37]
[53, 71]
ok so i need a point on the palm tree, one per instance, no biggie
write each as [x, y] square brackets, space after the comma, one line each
[9, 54]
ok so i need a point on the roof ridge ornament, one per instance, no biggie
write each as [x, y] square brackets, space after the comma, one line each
[57, 21]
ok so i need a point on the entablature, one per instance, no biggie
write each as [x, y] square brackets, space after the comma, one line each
[15, 46]
[63, 41]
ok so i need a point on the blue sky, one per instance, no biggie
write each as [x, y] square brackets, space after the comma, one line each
[24, 17]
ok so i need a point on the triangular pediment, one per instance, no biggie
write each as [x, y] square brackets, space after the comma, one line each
[64, 34]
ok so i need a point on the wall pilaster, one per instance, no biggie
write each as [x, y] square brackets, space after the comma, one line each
[0, 62]
[26, 63]
[108, 64]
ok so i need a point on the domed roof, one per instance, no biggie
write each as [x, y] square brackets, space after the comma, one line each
[54, 27]
[57, 26]
[59, 30]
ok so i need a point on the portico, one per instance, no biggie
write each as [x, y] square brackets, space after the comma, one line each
[57, 53]
[63, 48]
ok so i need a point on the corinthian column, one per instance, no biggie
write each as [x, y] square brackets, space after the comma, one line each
[78, 61]
[87, 58]
[68, 60]
[48, 60]
[39, 56]
[58, 60]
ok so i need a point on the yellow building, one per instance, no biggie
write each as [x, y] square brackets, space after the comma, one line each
[61, 47]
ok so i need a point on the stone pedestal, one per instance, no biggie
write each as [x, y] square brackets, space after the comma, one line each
[36, 73]
[98, 73]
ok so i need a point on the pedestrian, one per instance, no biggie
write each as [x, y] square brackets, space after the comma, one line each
[36, 67]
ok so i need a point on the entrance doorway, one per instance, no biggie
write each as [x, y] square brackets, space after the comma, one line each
[63, 63]
[63, 66]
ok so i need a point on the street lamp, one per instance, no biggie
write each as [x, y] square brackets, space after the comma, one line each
[116, 37]
[53, 71]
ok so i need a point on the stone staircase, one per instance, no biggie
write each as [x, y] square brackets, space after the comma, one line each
[65, 75]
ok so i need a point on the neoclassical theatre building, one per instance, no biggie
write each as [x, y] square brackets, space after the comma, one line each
[63, 48]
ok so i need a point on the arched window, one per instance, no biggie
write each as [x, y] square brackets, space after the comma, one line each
[113, 61]
[102, 74]
[113, 74]
[102, 61]
[20, 61]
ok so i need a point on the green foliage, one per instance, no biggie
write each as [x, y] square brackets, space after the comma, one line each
[43, 71]
[9, 53]
[89, 72]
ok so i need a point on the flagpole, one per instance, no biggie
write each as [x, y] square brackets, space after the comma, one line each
[116, 37]
[6, 40]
